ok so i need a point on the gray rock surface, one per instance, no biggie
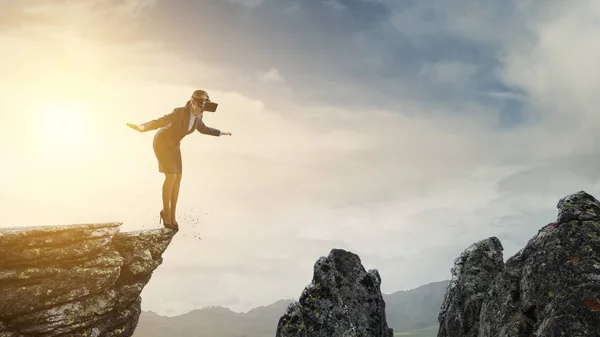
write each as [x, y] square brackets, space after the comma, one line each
[473, 272]
[343, 299]
[78, 280]
[549, 288]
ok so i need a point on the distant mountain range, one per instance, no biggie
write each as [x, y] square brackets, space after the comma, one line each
[413, 310]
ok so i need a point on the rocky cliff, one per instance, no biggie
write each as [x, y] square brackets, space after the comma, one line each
[77, 280]
[474, 270]
[343, 299]
[549, 288]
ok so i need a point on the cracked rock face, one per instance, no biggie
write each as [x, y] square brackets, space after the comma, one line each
[473, 272]
[342, 300]
[79, 280]
[549, 288]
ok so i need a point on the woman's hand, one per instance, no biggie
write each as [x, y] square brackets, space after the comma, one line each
[225, 133]
[135, 127]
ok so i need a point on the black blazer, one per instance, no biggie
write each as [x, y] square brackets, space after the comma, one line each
[175, 126]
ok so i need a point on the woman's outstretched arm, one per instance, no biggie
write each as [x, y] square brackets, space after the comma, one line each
[153, 124]
[207, 130]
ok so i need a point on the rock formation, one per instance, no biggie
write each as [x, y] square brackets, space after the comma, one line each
[473, 272]
[342, 300]
[549, 288]
[78, 280]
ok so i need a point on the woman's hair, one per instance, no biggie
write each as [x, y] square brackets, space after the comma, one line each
[196, 93]
[200, 92]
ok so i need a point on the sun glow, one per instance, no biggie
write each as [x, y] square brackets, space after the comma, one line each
[64, 123]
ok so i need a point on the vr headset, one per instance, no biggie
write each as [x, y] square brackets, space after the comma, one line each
[206, 105]
[209, 106]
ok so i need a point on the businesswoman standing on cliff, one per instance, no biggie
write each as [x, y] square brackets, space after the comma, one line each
[173, 128]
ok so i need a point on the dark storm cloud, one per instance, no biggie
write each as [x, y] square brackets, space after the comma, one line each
[355, 52]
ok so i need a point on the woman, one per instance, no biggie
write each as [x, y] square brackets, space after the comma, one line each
[172, 128]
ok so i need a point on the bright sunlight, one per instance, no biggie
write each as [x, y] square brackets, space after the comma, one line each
[65, 124]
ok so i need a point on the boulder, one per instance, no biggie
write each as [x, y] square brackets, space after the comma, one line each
[343, 299]
[549, 288]
[473, 273]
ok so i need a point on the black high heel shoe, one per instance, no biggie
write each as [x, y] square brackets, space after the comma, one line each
[162, 219]
[174, 226]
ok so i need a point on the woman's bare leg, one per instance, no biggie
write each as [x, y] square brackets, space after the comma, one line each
[166, 196]
[175, 197]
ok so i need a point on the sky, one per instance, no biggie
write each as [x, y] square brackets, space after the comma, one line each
[403, 131]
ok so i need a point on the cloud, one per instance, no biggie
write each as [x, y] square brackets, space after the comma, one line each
[507, 95]
[448, 73]
[559, 82]
[272, 75]
[249, 3]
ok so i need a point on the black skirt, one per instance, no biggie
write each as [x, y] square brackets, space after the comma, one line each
[168, 154]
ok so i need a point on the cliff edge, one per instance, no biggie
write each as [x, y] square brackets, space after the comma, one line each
[75, 280]
[549, 288]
